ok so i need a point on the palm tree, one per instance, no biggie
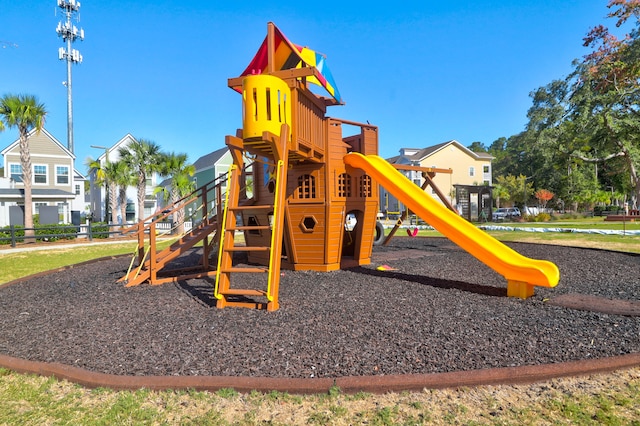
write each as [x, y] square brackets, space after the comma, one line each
[107, 173]
[124, 179]
[25, 113]
[142, 157]
[180, 171]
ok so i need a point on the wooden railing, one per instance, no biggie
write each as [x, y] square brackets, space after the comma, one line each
[150, 225]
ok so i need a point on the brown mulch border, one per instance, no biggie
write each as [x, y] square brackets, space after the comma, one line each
[353, 384]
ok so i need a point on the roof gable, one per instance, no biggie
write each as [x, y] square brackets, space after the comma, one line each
[47, 136]
[113, 150]
[209, 160]
[425, 153]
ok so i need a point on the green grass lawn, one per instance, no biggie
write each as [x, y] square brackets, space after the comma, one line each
[18, 264]
[612, 399]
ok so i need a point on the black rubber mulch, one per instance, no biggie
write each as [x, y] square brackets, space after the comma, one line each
[441, 310]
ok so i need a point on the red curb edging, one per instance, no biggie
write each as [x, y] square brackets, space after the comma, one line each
[352, 384]
[587, 302]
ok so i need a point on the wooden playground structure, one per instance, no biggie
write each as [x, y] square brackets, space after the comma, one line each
[303, 195]
[288, 191]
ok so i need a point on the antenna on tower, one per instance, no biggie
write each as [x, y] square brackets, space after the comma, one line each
[69, 33]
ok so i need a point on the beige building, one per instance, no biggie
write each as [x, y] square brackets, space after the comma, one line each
[56, 184]
[468, 168]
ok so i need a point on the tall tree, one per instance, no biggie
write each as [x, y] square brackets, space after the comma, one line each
[177, 167]
[124, 179]
[107, 174]
[477, 146]
[583, 133]
[514, 189]
[606, 94]
[26, 113]
[143, 158]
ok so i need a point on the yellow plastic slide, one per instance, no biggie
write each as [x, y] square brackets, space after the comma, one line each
[522, 273]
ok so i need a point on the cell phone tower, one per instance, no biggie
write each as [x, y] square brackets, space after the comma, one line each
[69, 34]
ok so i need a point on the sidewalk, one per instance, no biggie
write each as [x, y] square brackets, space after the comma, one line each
[7, 249]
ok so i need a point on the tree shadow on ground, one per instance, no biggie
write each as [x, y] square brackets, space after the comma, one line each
[201, 290]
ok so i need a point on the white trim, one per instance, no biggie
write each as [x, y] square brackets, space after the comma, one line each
[36, 155]
[39, 197]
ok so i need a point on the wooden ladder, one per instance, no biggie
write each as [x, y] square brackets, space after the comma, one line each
[246, 298]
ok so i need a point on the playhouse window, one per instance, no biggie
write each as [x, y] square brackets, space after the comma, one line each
[365, 187]
[344, 185]
[268, 104]
[306, 186]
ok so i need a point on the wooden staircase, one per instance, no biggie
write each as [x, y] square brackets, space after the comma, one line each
[276, 148]
[152, 267]
[151, 263]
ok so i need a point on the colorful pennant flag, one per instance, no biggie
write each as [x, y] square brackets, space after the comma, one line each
[288, 56]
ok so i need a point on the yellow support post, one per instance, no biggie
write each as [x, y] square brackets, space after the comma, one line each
[276, 240]
[519, 289]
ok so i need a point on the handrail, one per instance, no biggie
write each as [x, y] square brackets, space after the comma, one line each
[276, 215]
[216, 292]
[175, 206]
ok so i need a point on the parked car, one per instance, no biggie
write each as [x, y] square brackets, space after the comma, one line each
[506, 213]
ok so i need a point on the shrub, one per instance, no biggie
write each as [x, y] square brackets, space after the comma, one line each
[56, 232]
[5, 234]
[99, 230]
[43, 233]
[542, 217]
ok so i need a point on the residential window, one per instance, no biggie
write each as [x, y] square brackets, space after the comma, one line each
[485, 169]
[62, 175]
[77, 189]
[38, 205]
[62, 208]
[472, 171]
[149, 208]
[40, 173]
[16, 172]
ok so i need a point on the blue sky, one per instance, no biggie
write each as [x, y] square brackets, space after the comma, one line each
[425, 72]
